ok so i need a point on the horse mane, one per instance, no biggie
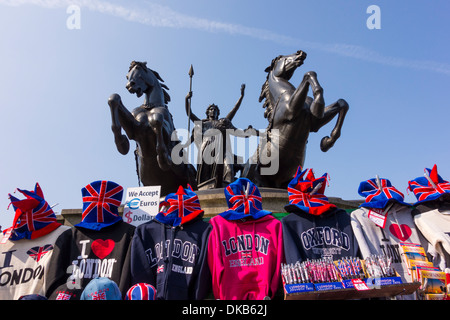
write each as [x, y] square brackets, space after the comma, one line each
[143, 66]
[265, 94]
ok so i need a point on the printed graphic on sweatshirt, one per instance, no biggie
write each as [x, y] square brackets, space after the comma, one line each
[185, 251]
[325, 241]
[38, 252]
[400, 231]
[389, 249]
[12, 274]
[247, 247]
[89, 268]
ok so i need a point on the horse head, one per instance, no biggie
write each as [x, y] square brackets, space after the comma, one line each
[284, 66]
[277, 83]
[142, 80]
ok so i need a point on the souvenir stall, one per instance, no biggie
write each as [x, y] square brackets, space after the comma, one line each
[325, 257]
[386, 248]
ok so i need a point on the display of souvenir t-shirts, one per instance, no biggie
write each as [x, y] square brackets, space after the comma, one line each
[27, 246]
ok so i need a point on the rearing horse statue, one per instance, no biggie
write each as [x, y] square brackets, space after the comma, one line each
[292, 115]
[151, 126]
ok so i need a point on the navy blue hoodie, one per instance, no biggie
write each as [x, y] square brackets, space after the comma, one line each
[172, 259]
[328, 235]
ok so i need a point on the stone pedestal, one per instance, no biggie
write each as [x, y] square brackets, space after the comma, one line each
[213, 202]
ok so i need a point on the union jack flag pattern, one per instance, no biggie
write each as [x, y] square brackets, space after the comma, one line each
[182, 207]
[101, 200]
[38, 252]
[377, 197]
[244, 200]
[33, 215]
[306, 193]
[141, 291]
[430, 187]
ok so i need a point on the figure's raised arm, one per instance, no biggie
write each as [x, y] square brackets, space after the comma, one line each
[189, 113]
[230, 115]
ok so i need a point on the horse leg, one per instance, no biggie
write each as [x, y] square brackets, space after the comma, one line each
[301, 93]
[156, 121]
[340, 108]
[120, 115]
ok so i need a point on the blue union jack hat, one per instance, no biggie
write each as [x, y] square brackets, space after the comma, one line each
[379, 198]
[183, 206]
[101, 200]
[430, 187]
[33, 216]
[306, 193]
[141, 291]
[244, 200]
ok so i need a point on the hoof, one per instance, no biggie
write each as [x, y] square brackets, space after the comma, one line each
[122, 144]
[326, 143]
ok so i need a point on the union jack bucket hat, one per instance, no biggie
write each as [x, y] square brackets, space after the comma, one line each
[244, 200]
[182, 206]
[379, 198]
[33, 216]
[306, 193]
[430, 187]
[141, 291]
[101, 200]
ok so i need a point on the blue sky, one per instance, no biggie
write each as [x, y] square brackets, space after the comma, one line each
[55, 83]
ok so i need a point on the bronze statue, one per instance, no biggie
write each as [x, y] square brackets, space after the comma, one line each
[292, 115]
[217, 165]
[151, 126]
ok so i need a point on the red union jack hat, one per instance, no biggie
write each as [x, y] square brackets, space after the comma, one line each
[101, 200]
[244, 200]
[379, 198]
[182, 207]
[34, 217]
[430, 187]
[141, 291]
[306, 193]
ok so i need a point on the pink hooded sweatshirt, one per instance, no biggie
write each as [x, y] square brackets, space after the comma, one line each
[245, 257]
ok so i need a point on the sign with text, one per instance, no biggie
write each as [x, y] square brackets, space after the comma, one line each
[141, 204]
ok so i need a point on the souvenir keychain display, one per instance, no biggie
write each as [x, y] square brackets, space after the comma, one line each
[326, 270]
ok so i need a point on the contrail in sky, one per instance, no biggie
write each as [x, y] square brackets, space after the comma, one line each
[156, 15]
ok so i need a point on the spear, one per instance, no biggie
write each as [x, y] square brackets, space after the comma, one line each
[191, 74]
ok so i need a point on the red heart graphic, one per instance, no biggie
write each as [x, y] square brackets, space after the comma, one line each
[102, 248]
[402, 232]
